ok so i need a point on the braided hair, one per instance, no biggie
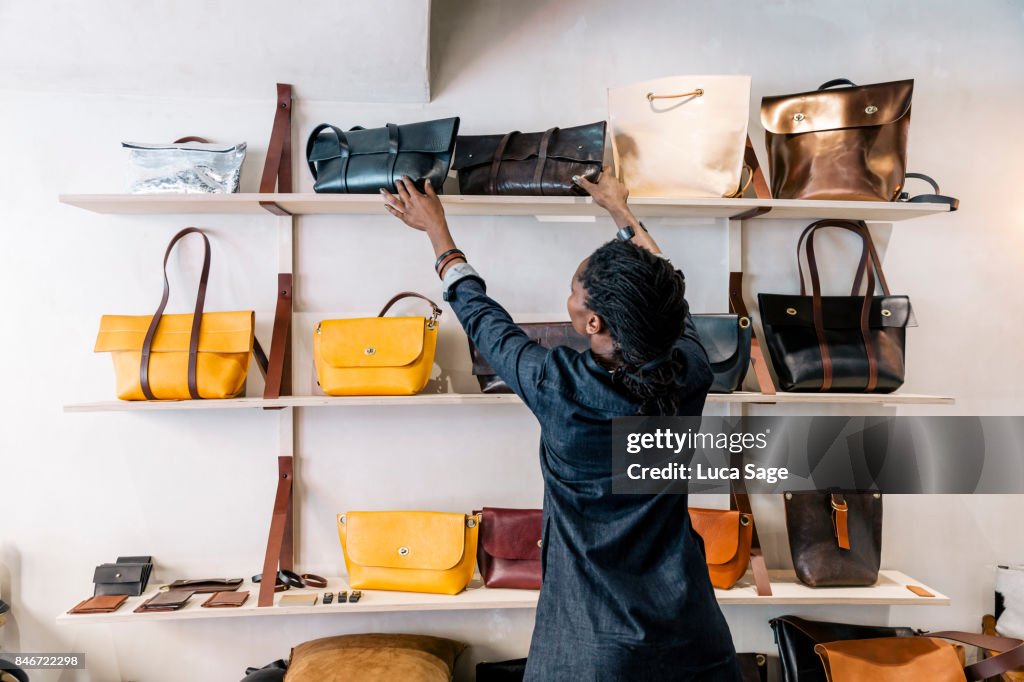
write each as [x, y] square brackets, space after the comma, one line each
[640, 297]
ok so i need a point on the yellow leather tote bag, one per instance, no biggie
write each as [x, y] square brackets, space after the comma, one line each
[178, 357]
[376, 355]
[409, 551]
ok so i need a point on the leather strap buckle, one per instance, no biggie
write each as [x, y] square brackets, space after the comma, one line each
[840, 506]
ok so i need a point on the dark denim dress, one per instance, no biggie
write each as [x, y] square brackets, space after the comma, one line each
[626, 592]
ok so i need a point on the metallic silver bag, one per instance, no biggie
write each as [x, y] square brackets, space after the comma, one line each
[190, 167]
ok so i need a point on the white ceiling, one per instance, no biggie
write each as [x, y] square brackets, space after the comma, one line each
[338, 50]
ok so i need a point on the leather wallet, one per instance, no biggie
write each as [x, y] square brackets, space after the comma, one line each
[107, 603]
[129, 575]
[206, 585]
[298, 599]
[171, 600]
[220, 600]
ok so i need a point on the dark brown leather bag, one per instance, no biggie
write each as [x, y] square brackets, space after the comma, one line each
[530, 163]
[848, 144]
[547, 334]
[835, 539]
[508, 553]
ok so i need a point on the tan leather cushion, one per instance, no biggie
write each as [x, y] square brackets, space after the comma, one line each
[374, 658]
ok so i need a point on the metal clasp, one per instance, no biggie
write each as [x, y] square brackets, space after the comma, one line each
[432, 320]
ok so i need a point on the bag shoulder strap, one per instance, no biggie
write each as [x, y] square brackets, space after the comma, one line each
[739, 501]
[836, 81]
[1010, 656]
[191, 138]
[492, 177]
[436, 310]
[935, 198]
[197, 318]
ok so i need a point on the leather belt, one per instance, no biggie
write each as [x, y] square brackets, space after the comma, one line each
[287, 579]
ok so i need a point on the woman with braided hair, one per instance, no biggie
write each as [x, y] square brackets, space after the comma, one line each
[626, 593]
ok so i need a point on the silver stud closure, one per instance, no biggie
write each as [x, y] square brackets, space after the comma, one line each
[471, 522]
[870, 109]
[886, 313]
[798, 117]
[540, 543]
[579, 146]
[789, 496]
[370, 350]
[791, 311]
[403, 551]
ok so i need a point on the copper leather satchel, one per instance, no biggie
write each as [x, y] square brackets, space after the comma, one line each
[835, 538]
[731, 543]
[530, 163]
[847, 144]
[849, 343]
[508, 553]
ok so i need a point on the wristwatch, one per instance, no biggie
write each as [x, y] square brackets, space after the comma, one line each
[626, 233]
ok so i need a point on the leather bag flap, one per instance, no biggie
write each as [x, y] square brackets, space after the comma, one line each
[584, 144]
[720, 530]
[838, 312]
[720, 335]
[118, 574]
[432, 541]
[820, 110]
[511, 533]
[372, 341]
[429, 137]
[229, 332]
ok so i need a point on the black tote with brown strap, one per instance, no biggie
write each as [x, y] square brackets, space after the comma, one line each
[849, 343]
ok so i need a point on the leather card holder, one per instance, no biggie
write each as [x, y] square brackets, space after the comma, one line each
[122, 577]
[919, 591]
[207, 585]
[297, 599]
[134, 560]
[226, 599]
[171, 600]
[107, 603]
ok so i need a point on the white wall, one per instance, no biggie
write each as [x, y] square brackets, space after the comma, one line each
[195, 489]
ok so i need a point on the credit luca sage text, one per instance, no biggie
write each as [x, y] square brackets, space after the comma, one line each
[700, 472]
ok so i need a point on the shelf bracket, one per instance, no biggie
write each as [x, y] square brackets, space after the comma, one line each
[277, 170]
[280, 542]
[279, 364]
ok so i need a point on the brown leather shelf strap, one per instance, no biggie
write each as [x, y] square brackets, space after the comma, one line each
[867, 268]
[761, 190]
[542, 159]
[1009, 658]
[197, 319]
[408, 294]
[739, 501]
[277, 170]
[739, 307]
[840, 520]
[279, 541]
[278, 376]
[492, 180]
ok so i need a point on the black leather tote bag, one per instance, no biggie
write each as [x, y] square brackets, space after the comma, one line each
[362, 160]
[849, 343]
[796, 638]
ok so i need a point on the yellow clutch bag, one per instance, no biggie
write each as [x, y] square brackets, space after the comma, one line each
[376, 355]
[409, 551]
[177, 357]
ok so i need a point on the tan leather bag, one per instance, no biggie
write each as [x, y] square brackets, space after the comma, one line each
[848, 144]
[682, 136]
[917, 659]
[731, 544]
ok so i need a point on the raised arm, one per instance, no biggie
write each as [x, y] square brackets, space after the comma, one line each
[611, 194]
[513, 355]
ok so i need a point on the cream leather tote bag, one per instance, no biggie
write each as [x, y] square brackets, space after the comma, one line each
[681, 136]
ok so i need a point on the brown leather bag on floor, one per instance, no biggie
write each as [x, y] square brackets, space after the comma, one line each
[848, 144]
[508, 553]
[917, 659]
[835, 538]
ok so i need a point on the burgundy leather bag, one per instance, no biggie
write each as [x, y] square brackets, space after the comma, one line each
[508, 553]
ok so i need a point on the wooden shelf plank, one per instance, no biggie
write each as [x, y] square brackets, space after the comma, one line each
[485, 399]
[361, 204]
[890, 590]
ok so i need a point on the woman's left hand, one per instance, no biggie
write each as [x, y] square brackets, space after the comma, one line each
[418, 210]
